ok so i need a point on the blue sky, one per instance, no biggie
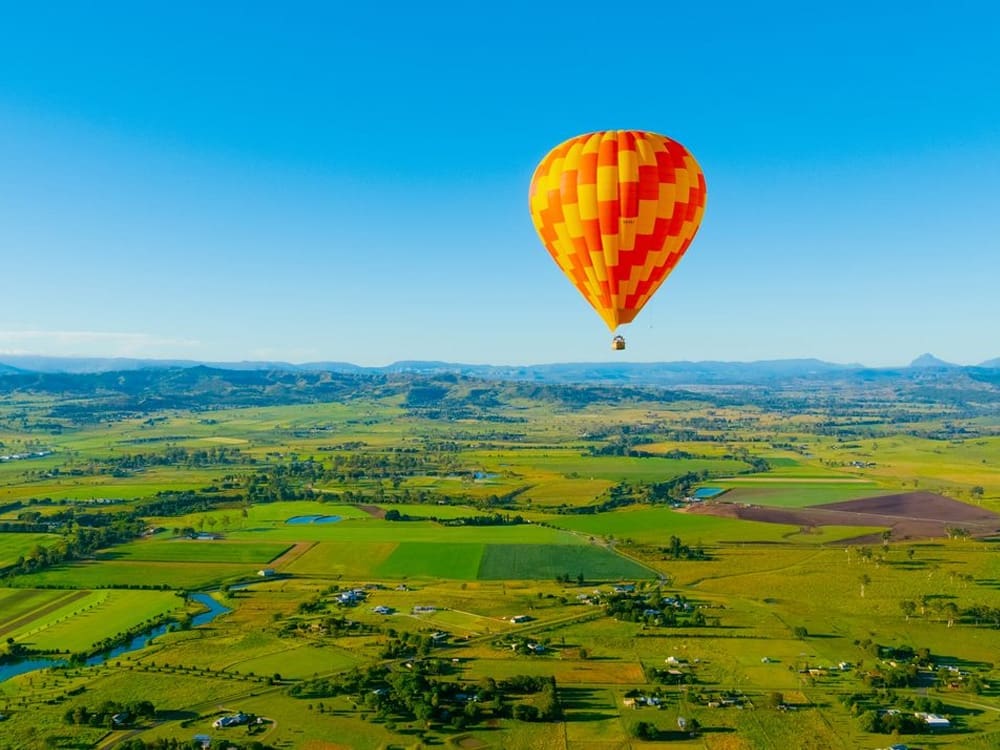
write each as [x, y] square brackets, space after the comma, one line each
[321, 181]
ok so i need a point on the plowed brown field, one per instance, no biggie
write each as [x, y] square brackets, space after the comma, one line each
[910, 515]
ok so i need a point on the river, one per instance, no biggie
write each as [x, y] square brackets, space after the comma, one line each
[140, 641]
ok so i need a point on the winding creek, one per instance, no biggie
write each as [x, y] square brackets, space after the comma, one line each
[140, 641]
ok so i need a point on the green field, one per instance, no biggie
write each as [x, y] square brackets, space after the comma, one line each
[538, 561]
[336, 559]
[765, 601]
[137, 574]
[657, 525]
[15, 545]
[197, 551]
[617, 468]
[443, 560]
[797, 495]
[79, 620]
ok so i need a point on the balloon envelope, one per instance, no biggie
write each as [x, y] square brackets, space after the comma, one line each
[617, 209]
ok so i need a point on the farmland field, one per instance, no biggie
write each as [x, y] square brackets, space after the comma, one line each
[502, 561]
[433, 560]
[500, 533]
[13, 546]
[195, 551]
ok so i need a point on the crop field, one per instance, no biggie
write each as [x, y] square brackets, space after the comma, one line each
[463, 561]
[76, 620]
[434, 560]
[503, 561]
[101, 615]
[20, 609]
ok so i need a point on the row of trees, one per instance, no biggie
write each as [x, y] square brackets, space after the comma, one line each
[101, 716]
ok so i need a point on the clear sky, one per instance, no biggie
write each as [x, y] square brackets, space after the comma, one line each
[348, 181]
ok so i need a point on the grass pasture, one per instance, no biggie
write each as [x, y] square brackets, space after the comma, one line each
[799, 496]
[657, 525]
[14, 545]
[103, 614]
[194, 551]
[570, 464]
[101, 574]
[296, 662]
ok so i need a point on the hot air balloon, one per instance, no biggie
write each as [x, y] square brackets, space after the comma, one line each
[617, 209]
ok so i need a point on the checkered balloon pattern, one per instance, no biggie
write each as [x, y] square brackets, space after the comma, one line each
[617, 209]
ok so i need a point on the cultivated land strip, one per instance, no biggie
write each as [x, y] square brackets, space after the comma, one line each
[43, 611]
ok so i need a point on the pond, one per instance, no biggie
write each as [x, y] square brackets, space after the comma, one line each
[140, 641]
[708, 492]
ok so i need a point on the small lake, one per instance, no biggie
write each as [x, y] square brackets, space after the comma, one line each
[708, 492]
[296, 520]
[140, 641]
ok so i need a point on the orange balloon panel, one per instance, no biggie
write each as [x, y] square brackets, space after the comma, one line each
[617, 209]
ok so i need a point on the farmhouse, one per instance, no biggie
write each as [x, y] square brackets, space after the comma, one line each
[352, 597]
[233, 720]
[266, 572]
[518, 619]
[933, 721]
[382, 610]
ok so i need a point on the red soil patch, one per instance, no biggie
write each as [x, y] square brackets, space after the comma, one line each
[910, 515]
[373, 510]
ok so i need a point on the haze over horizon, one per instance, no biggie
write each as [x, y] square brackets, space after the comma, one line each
[350, 184]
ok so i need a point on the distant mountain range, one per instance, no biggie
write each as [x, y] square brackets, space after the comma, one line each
[625, 373]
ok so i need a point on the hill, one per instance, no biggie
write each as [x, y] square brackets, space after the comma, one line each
[930, 361]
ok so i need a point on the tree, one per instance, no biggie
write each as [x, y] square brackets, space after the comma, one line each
[909, 608]
[864, 580]
[644, 730]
